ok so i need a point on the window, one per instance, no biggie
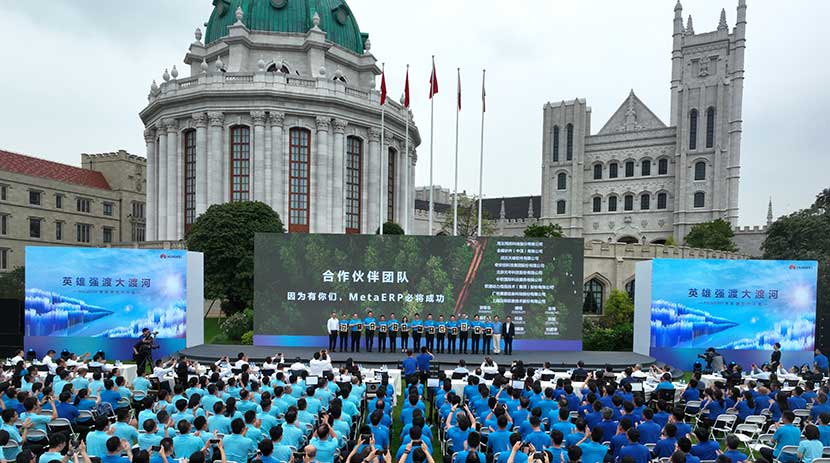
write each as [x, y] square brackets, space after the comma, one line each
[555, 143]
[613, 170]
[700, 199]
[390, 186]
[4, 259]
[299, 179]
[662, 200]
[58, 231]
[629, 168]
[628, 202]
[107, 236]
[645, 168]
[597, 204]
[4, 224]
[4, 191]
[137, 232]
[645, 202]
[34, 198]
[612, 204]
[663, 167]
[83, 232]
[560, 206]
[108, 209]
[710, 127]
[282, 69]
[189, 179]
[592, 291]
[58, 201]
[83, 204]
[629, 288]
[569, 142]
[693, 129]
[137, 209]
[240, 163]
[700, 170]
[597, 171]
[34, 227]
[561, 181]
[354, 159]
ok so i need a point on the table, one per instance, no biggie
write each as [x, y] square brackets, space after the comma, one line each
[395, 376]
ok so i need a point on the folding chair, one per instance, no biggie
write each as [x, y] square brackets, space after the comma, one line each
[748, 433]
[60, 425]
[692, 411]
[724, 424]
[790, 450]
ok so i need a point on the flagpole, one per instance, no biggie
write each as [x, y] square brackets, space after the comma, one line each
[431, 139]
[408, 166]
[481, 156]
[455, 188]
[380, 166]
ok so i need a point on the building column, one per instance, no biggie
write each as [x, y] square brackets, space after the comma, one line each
[279, 178]
[338, 166]
[152, 182]
[380, 196]
[269, 166]
[412, 160]
[201, 121]
[371, 179]
[217, 122]
[320, 181]
[172, 178]
[258, 171]
[161, 181]
[400, 184]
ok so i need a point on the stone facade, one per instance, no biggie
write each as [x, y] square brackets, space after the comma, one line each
[43, 203]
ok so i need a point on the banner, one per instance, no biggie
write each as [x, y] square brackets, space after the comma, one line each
[301, 279]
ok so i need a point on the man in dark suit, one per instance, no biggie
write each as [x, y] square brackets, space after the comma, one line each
[508, 331]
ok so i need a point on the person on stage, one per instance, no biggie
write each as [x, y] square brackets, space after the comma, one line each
[452, 334]
[441, 326]
[383, 328]
[405, 327]
[487, 336]
[343, 323]
[394, 327]
[477, 330]
[370, 325]
[355, 328]
[463, 333]
[496, 335]
[417, 332]
[333, 327]
[775, 357]
[429, 328]
[508, 330]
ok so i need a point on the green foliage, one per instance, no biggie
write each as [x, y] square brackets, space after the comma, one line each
[614, 331]
[716, 235]
[670, 241]
[225, 234]
[248, 338]
[544, 231]
[12, 284]
[467, 219]
[235, 326]
[391, 228]
[619, 309]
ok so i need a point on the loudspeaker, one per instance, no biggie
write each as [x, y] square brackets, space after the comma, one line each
[11, 330]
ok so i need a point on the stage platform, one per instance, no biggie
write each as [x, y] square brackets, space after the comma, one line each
[559, 360]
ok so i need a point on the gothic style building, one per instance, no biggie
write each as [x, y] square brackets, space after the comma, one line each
[280, 107]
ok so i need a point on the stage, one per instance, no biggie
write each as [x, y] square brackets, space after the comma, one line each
[559, 360]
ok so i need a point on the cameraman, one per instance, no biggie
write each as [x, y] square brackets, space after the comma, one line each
[143, 349]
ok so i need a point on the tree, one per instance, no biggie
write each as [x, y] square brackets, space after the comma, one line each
[12, 284]
[670, 241]
[391, 228]
[544, 231]
[225, 234]
[467, 219]
[716, 235]
[614, 331]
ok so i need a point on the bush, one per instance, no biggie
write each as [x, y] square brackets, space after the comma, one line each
[614, 331]
[248, 338]
[238, 324]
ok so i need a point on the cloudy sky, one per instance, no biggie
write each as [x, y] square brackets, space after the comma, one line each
[77, 72]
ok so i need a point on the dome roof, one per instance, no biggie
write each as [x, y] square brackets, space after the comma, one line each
[295, 16]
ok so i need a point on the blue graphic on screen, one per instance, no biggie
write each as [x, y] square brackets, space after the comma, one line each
[732, 305]
[103, 298]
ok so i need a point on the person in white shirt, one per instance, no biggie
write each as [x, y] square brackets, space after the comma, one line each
[343, 377]
[47, 360]
[461, 368]
[333, 327]
[162, 369]
[298, 365]
[489, 367]
[75, 361]
[543, 371]
[18, 357]
[241, 359]
[315, 365]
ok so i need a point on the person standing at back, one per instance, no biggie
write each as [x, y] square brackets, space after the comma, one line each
[343, 327]
[508, 331]
[333, 327]
[497, 325]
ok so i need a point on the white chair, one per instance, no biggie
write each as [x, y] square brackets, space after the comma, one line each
[790, 450]
[692, 410]
[724, 424]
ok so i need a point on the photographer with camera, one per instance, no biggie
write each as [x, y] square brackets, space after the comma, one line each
[714, 360]
[143, 349]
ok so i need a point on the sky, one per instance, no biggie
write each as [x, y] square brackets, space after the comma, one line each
[77, 73]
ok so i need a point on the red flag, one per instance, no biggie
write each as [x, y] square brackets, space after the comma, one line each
[382, 88]
[459, 89]
[483, 94]
[406, 89]
[433, 82]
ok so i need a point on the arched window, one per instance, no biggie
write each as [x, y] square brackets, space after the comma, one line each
[597, 171]
[700, 170]
[561, 181]
[354, 162]
[693, 129]
[629, 289]
[662, 200]
[555, 143]
[240, 163]
[612, 204]
[613, 170]
[628, 202]
[710, 127]
[597, 204]
[663, 167]
[700, 199]
[390, 185]
[645, 202]
[560, 206]
[299, 180]
[645, 168]
[628, 240]
[189, 141]
[629, 168]
[569, 142]
[592, 291]
[281, 68]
